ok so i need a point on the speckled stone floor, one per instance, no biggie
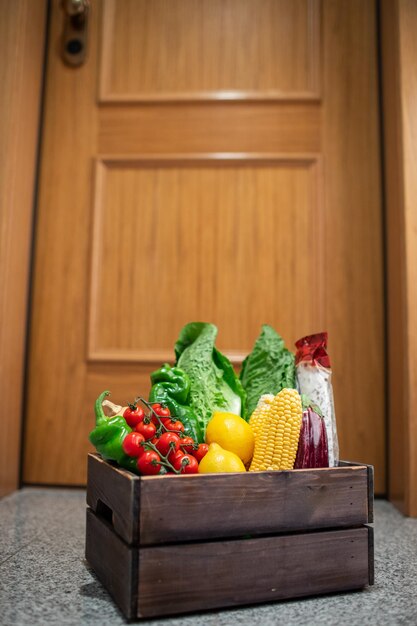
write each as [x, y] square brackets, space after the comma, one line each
[44, 578]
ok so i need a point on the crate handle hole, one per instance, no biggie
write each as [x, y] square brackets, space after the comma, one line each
[104, 511]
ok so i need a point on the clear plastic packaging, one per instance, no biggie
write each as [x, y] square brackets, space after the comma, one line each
[314, 376]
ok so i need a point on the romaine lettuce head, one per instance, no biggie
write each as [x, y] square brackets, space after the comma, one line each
[214, 383]
[267, 369]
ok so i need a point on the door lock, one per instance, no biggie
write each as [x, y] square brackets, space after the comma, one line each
[74, 39]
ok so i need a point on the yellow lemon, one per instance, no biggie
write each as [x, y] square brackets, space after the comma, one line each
[232, 433]
[218, 460]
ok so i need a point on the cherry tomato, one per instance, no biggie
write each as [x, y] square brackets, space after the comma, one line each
[149, 463]
[167, 421]
[168, 441]
[133, 415]
[147, 429]
[162, 411]
[177, 426]
[175, 459]
[187, 444]
[189, 464]
[131, 444]
[143, 448]
[201, 451]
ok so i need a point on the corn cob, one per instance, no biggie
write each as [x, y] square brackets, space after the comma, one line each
[276, 441]
[260, 412]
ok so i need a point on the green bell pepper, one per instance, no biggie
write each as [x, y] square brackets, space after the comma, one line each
[108, 435]
[171, 387]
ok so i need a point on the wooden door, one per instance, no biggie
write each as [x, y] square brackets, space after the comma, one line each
[212, 160]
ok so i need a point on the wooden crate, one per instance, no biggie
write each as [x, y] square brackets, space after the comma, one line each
[163, 545]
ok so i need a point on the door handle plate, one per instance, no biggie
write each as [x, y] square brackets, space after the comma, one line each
[74, 36]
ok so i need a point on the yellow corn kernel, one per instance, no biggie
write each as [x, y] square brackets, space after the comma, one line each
[261, 411]
[276, 439]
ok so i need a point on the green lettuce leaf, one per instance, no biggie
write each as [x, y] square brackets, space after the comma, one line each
[214, 383]
[267, 369]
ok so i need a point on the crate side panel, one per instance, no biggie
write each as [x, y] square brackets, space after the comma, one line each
[238, 572]
[207, 506]
[370, 469]
[114, 563]
[371, 557]
[114, 493]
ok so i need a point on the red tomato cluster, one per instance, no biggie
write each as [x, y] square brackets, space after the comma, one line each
[159, 443]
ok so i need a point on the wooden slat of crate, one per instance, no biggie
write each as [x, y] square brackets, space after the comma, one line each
[191, 577]
[225, 505]
[114, 562]
[370, 486]
[198, 576]
[118, 490]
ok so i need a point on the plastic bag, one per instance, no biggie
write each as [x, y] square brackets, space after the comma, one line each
[314, 376]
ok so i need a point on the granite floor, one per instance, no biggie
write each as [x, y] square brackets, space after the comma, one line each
[45, 580]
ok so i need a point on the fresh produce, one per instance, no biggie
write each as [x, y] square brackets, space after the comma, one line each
[171, 388]
[201, 451]
[132, 444]
[146, 428]
[232, 433]
[214, 386]
[202, 417]
[258, 414]
[133, 415]
[267, 369]
[109, 434]
[278, 432]
[218, 460]
[312, 446]
[158, 445]
[314, 379]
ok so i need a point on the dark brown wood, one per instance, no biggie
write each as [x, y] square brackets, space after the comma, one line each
[189, 508]
[209, 506]
[370, 469]
[371, 559]
[115, 563]
[114, 494]
[200, 576]
[225, 532]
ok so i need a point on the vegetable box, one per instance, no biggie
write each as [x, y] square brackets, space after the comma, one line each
[163, 545]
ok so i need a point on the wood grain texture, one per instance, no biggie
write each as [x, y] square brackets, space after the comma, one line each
[57, 334]
[223, 572]
[340, 131]
[119, 492]
[204, 127]
[259, 503]
[399, 53]
[183, 50]
[114, 563]
[154, 581]
[408, 26]
[271, 203]
[150, 510]
[22, 32]
[354, 311]
[397, 349]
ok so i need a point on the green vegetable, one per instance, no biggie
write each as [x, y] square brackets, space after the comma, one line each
[171, 387]
[214, 385]
[267, 369]
[108, 435]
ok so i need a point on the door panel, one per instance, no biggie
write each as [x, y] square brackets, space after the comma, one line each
[166, 251]
[209, 49]
[213, 160]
